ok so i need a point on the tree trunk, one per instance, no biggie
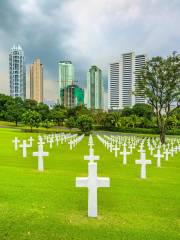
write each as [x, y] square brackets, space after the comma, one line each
[162, 136]
[162, 131]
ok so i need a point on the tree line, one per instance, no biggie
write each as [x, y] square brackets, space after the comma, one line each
[34, 114]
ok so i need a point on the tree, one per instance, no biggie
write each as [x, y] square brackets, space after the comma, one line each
[30, 104]
[115, 118]
[159, 82]
[31, 119]
[172, 122]
[43, 109]
[46, 124]
[143, 110]
[107, 120]
[127, 111]
[3, 106]
[84, 123]
[58, 116]
[15, 109]
[70, 123]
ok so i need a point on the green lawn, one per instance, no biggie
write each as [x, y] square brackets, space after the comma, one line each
[47, 205]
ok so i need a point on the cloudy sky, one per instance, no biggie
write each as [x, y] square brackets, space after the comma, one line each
[87, 32]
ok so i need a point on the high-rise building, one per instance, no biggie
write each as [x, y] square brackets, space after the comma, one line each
[66, 76]
[122, 81]
[72, 96]
[113, 85]
[36, 81]
[140, 62]
[94, 88]
[17, 72]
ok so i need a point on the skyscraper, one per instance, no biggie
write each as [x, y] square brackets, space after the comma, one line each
[72, 96]
[140, 62]
[66, 76]
[113, 85]
[36, 81]
[122, 81]
[17, 72]
[94, 88]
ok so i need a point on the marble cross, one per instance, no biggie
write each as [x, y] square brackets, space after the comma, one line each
[91, 156]
[30, 141]
[116, 149]
[40, 154]
[124, 153]
[50, 142]
[166, 153]
[16, 141]
[158, 156]
[90, 142]
[57, 141]
[151, 149]
[92, 182]
[143, 163]
[24, 146]
[71, 142]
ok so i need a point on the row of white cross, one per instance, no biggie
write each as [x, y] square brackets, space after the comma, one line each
[74, 141]
[92, 182]
[47, 139]
[113, 144]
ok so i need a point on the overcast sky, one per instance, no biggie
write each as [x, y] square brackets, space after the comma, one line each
[87, 32]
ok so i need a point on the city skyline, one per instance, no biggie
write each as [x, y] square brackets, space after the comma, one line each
[108, 29]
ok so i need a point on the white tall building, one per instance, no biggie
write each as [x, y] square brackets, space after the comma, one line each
[113, 85]
[122, 81]
[17, 72]
[140, 62]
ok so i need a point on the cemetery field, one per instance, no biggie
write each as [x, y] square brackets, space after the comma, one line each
[47, 205]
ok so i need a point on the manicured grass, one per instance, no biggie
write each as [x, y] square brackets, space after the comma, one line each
[47, 205]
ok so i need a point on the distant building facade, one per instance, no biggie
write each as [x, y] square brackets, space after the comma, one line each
[66, 76]
[123, 79]
[17, 72]
[72, 96]
[36, 81]
[94, 88]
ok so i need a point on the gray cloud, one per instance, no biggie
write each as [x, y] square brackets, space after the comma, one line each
[86, 32]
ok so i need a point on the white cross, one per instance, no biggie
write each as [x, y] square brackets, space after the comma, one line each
[91, 156]
[16, 141]
[166, 152]
[24, 146]
[92, 182]
[143, 163]
[50, 142]
[124, 153]
[110, 146]
[30, 141]
[71, 143]
[90, 142]
[141, 150]
[116, 150]
[57, 141]
[131, 148]
[172, 151]
[151, 149]
[40, 154]
[158, 156]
